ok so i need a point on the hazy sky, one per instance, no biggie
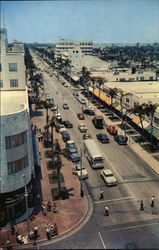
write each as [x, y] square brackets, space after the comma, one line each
[98, 20]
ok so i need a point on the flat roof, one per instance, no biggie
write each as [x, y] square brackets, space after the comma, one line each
[13, 101]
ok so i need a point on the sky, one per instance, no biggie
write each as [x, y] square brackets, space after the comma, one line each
[103, 21]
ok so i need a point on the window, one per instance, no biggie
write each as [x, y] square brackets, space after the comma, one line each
[1, 84]
[14, 83]
[13, 67]
[0, 67]
[127, 100]
[8, 142]
[10, 168]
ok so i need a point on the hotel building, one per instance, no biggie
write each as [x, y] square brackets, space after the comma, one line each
[16, 157]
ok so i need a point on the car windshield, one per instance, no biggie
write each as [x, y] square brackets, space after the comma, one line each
[98, 160]
[108, 175]
[71, 145]
[104, 136]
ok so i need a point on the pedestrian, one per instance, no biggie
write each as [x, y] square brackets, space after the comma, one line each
[106, 211]
[101, 193]
[48, 232]
[54, 207]
[141, 205]
[35, 232]
[55, 228]
[52, 231]
[152, 201]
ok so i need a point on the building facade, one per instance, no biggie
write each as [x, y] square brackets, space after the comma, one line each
[65, 45]
[16, 157]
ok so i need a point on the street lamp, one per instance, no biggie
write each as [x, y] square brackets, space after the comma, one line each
[26, 203]
[81, 190]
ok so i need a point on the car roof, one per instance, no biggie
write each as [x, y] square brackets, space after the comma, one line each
[70, 142]
[107, 171]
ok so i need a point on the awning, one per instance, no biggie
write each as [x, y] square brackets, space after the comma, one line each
[35, 149]
[118, 107]
[103, 96]
[136, 120]
[145, 124]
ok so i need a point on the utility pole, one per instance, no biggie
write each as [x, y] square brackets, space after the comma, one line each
[81, 190]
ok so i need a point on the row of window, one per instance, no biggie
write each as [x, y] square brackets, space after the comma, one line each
[13, 83]
[15, 140]
[18, 165]
[13, 67]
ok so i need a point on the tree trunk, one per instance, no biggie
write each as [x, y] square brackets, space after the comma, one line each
[58, 176]
[111, 106]
[151, 130]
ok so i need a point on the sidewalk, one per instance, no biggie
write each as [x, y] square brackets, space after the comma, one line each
[69, 211]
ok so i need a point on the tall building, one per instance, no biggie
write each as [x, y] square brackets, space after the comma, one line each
[65, 45]
[16, 157]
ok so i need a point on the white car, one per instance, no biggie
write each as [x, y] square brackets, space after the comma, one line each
[53, 108]
[77, 171]
[108, 177]
[65, 85]
[61, 130]
[82, 128]
[65, 106]
[82, 101]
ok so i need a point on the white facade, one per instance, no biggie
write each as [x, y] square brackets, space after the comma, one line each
[64, 45]
[16, 157]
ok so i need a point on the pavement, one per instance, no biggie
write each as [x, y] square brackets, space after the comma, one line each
[70, 212]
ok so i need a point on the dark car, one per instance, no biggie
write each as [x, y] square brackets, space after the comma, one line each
[88, 111]
[75, 157]
[80, 116]
[68, 124]
[102, 138]
[65, 136]
[120, 139]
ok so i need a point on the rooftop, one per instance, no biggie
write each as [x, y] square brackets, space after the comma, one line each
[13, 102]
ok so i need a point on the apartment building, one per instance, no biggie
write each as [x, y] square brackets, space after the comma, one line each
[16, 157]
[65, 45]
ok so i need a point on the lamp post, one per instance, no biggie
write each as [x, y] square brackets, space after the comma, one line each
[81, 190]
[26, 203]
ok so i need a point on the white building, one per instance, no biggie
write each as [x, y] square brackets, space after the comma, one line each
[65, 45]
[16, 157]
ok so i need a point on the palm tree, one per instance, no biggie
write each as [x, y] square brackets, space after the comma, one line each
[112, 93]
[150, 111]
[140, 110]
[52, 124]
[100, 82]
[58, 152]
[86, 76]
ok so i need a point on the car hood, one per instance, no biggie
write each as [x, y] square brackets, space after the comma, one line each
[111, 179]
[84, 172]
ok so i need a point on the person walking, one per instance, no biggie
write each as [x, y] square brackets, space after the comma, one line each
[101, 193]
[106, 213]
[35, 232]
[141, 205]
[152, 201]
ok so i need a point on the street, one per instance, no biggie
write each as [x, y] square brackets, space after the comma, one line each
[126, 227]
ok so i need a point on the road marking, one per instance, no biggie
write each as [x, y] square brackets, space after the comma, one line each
[132, 227]
[104, 246]
[116, 200]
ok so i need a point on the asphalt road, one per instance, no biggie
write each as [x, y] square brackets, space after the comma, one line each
[126, 227]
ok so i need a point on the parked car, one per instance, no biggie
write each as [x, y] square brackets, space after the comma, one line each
[82, 128]
[59, 126]
[75, 157]
[39, 106]
[112, 129]
[54, 108]
[102, 138]
[65, 106]
[70, 144]
[65, 136]
[108, 177]
[68, 124]
[80, 116]
[82, 101]
[61, 130]
[58, 117]
[120, 139]
[88, 111]
[65, 85]
[75, 93]
[80, 171]
[87, 136]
